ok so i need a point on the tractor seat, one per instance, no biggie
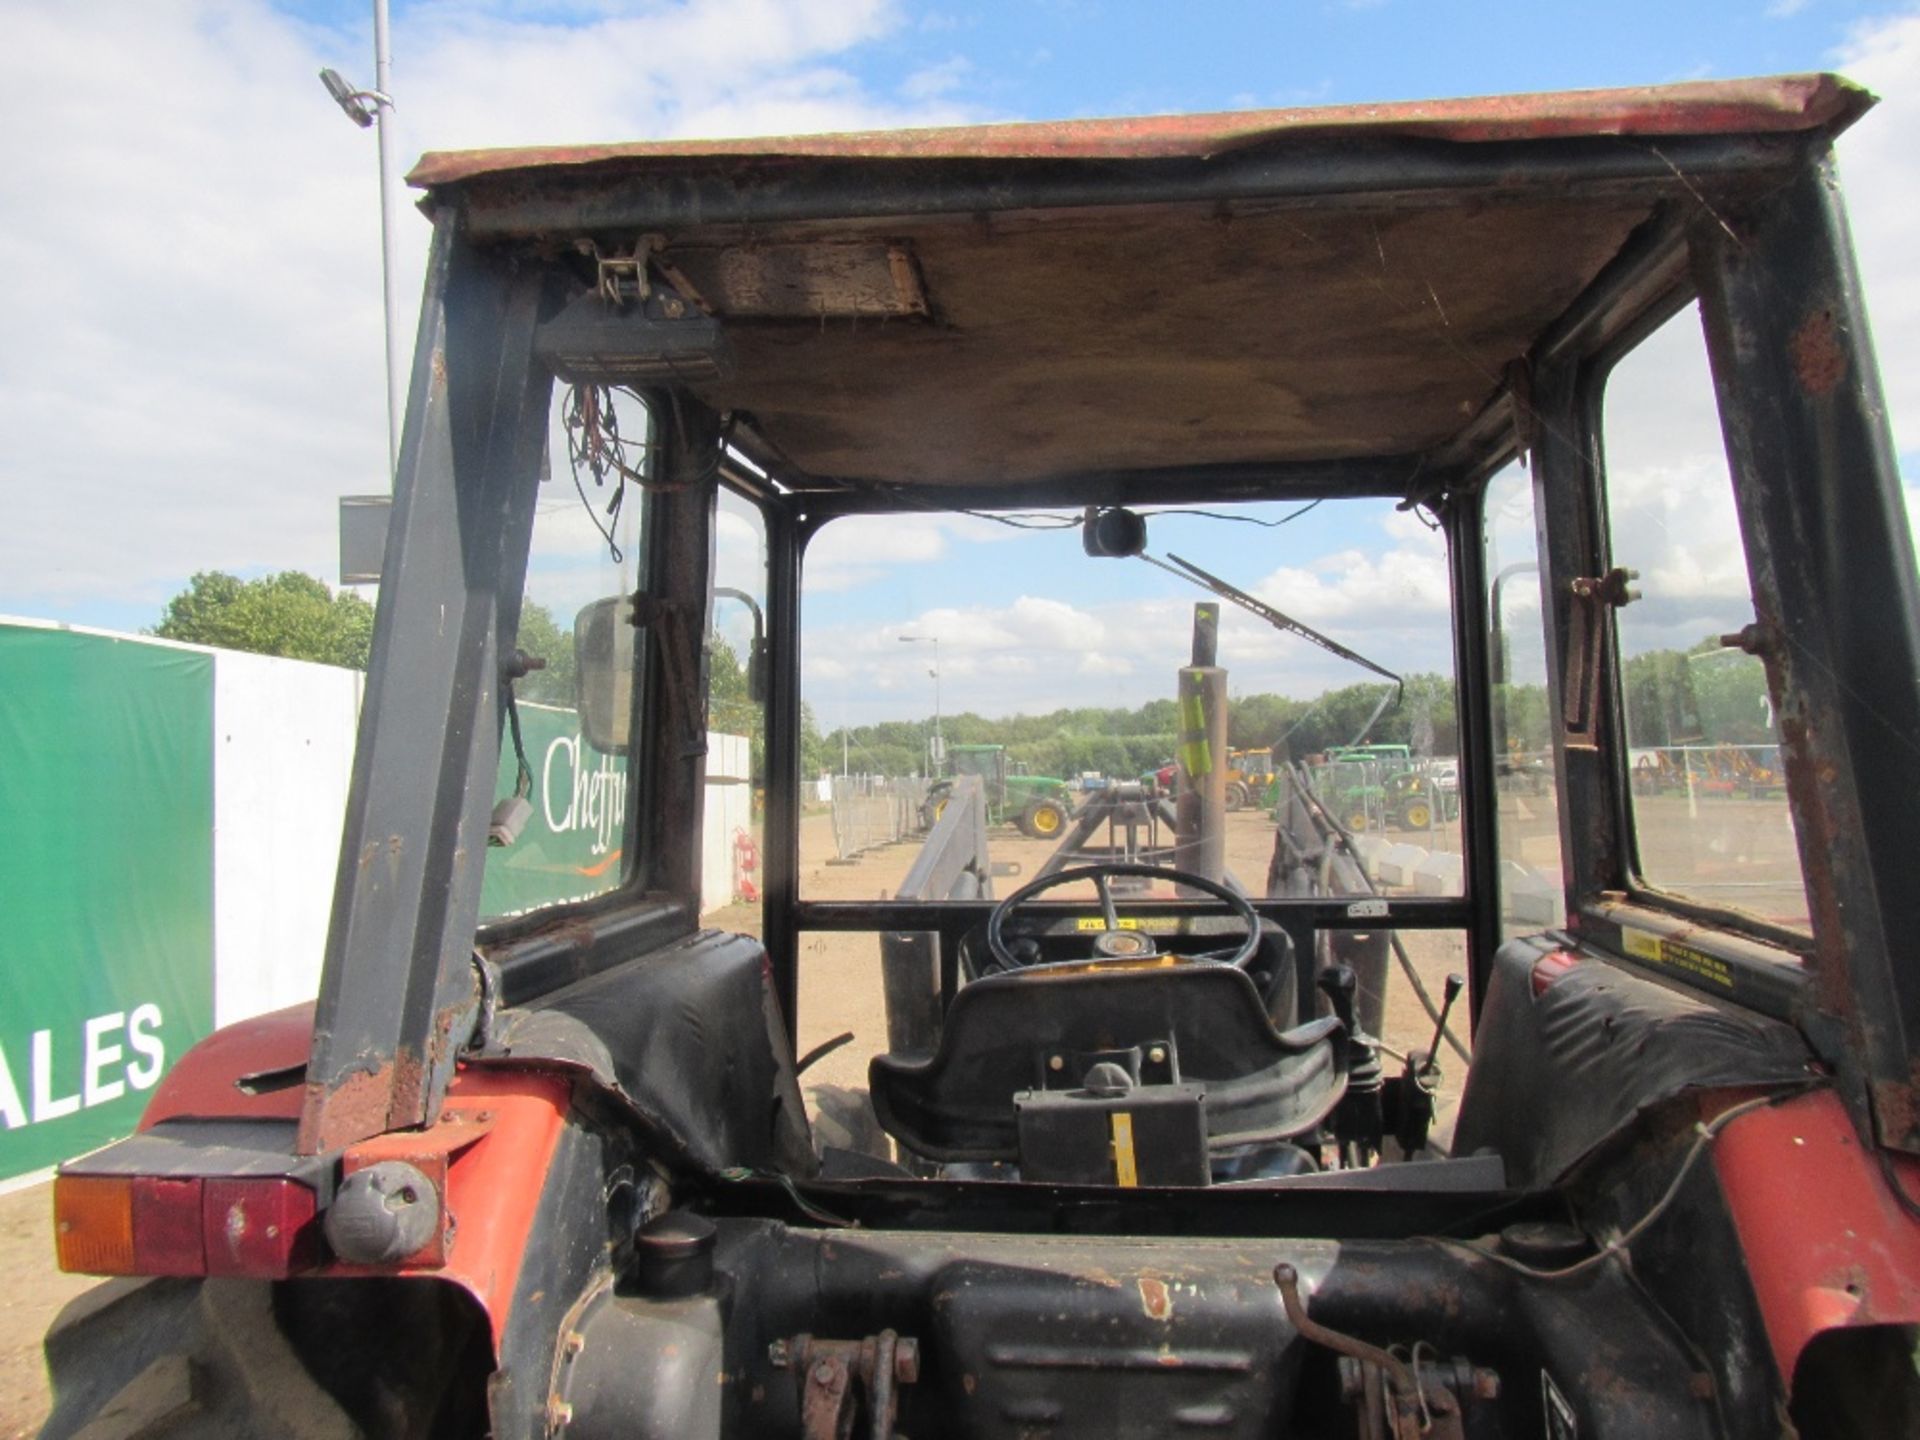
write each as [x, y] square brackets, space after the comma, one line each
[1165, 1021]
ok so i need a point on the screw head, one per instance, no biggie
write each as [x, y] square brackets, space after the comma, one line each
[1056, 1063]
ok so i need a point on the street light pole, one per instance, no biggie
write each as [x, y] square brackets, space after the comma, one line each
[939, 747]
[383, 133]
[374, 109]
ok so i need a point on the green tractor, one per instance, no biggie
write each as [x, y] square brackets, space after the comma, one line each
[1374, 786]
[1039, 804]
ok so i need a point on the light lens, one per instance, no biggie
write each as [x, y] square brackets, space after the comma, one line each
[263, 1228]
[93, 1224]
[166, 1226]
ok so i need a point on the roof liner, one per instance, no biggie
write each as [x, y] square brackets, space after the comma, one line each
[1012, 338]
[1170, 337]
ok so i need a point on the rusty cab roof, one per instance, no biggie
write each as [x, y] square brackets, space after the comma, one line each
[1322, 292]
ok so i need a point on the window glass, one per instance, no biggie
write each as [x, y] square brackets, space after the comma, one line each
[1532, 895]
[1708, 794]
[569, 799]
[736, 718]
[949, 650]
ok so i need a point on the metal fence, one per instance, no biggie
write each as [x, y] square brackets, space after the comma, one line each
[873, 810]
[1370, 795]
[1703, 769]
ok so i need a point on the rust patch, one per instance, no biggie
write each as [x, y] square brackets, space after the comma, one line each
[1156, 1301]
[1819, 360]
[1781, 104]
[353, 1110]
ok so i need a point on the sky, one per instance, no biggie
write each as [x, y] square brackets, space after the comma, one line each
[190, 317]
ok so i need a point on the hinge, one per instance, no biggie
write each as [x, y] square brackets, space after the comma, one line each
[1593, 596]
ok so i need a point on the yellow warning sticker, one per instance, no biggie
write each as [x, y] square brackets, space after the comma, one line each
[1125, 1171]
[1152, 924]
[1673, 955]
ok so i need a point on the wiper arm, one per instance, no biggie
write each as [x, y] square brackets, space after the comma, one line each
[1206, 580]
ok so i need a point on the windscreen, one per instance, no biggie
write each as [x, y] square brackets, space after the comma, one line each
[988, 661]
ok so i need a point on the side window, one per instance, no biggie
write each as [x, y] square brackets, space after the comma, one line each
[1532, 892]
[737, 675]
[560, 804]
[1708, 795]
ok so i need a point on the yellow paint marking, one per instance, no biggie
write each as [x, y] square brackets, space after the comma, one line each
[1125, 1172]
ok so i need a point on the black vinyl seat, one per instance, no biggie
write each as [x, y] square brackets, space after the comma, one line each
[1165, 1020]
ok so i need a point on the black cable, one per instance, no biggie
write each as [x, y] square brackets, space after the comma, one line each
[523, 782]
[1290, 516]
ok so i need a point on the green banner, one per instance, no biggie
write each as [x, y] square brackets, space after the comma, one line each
[571, 846]
[106, 880]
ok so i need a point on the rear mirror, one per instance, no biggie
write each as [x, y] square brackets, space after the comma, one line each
[757, 651]
[603, 660]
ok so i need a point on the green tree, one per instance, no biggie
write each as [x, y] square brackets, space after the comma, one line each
[540, 635]
[289, 614]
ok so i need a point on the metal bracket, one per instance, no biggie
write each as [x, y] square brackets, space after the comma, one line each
[1593, 596]
[621, 279]
[834, 1375]
[1396, 1400]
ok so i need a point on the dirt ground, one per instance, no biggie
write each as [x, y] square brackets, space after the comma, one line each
[32, 1296]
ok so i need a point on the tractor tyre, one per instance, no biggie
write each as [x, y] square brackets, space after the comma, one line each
[316, 1360]
[1044, 820]
[1356, 822]
[1416, 815]
[1237, 795]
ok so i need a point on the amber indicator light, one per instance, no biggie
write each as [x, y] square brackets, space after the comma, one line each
[93, 1224]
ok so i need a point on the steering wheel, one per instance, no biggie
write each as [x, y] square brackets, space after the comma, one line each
[1104, 948]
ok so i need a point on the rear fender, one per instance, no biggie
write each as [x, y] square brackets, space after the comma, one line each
[490, 1152]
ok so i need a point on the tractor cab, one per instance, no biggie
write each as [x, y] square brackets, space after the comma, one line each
[708, 1047]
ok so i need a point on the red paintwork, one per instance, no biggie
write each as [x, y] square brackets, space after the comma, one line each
[431, 1152]
[496, 1166]
[493, 1185]
[1715, 107]
[201, 1081]
[1826, 1245]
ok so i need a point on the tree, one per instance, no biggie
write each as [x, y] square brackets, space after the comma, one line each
[289, 614]
[540, 635]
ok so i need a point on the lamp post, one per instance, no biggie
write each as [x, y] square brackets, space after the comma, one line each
[938, 750]
[373, 108]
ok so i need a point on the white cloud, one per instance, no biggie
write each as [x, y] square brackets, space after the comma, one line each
[191, 364]
[1050, 647]
[937, 80]
[1880, 167]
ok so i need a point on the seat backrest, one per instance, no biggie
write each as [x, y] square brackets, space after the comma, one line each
[1041, 1028]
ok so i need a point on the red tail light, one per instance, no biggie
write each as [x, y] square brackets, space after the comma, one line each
[162, 1225]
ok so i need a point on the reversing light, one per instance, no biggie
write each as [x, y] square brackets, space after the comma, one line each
[166, 1225]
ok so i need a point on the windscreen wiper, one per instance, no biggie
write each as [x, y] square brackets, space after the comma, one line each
[1193, 574]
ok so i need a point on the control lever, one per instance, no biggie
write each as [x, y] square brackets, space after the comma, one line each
[1359, 1124]
[1430, 1064]
[1340, 985]
[1409, 1101]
